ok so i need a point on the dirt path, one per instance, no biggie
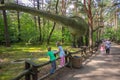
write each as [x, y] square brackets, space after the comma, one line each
[98, 67]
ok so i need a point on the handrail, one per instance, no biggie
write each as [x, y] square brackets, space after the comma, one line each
[22, 74]
[47, 75]
[31, 67]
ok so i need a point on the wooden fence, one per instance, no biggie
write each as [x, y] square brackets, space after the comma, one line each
[35, 71]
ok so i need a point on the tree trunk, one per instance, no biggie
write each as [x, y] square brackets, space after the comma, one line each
[90, 37]
[6, 33]
[49, 37]
[63, 13]
[115, 20]
[90, 22]
[56, 7]
[80, 41]
[39, 25]
[18, 18]
[74, 41]
[87, 40]
[35, 19]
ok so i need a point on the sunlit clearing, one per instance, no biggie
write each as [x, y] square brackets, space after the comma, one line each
[43, 59]
[33, 50]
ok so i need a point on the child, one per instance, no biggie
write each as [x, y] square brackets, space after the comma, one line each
[61, 54]
[52, 59]
[102, 48]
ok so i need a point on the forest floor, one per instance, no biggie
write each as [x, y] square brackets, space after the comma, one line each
[97, 67]
[12, 58]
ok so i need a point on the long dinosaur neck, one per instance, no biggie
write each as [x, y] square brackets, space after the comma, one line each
[74, 24]
[59, 19]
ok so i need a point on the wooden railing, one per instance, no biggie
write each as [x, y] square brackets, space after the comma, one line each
[35, 71]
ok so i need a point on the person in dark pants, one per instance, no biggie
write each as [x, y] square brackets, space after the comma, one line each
[52, 59]
[107, 50]
[107, 46]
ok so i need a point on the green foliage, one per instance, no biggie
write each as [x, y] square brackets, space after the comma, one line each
[116, 35]
[46, 28]
[29, 32]
[67, 35]
[94, 36]
[1, 29]
[108, 32]
[57, 35]
[28, 29]
[111, 33]
[12, 28]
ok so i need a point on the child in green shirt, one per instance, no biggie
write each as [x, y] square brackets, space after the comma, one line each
[52, 59]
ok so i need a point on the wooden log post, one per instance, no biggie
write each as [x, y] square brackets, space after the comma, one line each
[66, 57]
[82, 54]
[70, 59]
[34, 73]
[27, 66]
[85, 51]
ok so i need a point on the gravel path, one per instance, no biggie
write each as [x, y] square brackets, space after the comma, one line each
[97, 67]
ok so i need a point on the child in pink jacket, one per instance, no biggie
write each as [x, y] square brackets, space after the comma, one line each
[102, 48]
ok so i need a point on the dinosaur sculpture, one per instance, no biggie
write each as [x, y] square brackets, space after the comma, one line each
[76, 25]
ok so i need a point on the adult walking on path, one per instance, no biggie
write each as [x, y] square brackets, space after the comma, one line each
[97, 67]
[107, 46]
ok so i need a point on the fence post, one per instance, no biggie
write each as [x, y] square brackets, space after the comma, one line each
[27, 66]
[70, 59]
[35, 73]
[85, 52]
[66, 60]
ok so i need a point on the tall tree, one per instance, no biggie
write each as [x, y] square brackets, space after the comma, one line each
[63, 13]
[80, 41]
[6, 33]
[39, 24]
[115, 20]
[87, 6]
[54, 24]
[35, 19]
[18, 19]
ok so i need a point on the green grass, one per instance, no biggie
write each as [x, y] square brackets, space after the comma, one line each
[15, 52]
[9, 70]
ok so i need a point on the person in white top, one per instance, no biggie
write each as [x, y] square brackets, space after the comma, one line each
[107, 46]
